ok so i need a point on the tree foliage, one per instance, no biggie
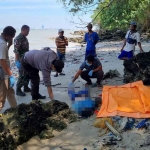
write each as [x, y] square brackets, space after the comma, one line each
[121, 12]
[113, 14]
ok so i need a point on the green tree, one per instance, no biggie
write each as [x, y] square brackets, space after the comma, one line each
[121, 12]
[113, 14]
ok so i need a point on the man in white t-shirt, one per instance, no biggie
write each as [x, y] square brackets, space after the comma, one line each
[6, 79]
[132, 38]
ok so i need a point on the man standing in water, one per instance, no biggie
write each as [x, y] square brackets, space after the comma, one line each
[61, 43]
[21, 46]
[7, 81]
[132, 38]
[91, 38]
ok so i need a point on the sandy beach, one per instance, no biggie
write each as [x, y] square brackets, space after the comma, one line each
[82, 134]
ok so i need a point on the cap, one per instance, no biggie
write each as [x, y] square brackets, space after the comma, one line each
[133, 23]
[89, 25]
[60, 30]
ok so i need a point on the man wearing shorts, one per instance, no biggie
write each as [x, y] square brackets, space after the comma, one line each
[132, 38]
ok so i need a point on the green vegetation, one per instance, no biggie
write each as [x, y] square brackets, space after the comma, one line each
[113, 14]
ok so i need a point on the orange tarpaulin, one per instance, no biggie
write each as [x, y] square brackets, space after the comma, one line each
[130, 100]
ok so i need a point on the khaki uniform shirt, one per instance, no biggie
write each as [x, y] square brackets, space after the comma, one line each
[3, 55]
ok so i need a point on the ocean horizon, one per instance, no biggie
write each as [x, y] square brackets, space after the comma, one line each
[40, 38]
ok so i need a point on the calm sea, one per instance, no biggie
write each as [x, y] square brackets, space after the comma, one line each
[39, 38]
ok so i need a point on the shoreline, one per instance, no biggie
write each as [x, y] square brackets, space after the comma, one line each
[77, 135]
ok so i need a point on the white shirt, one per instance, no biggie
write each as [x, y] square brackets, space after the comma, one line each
[3, 55]
[129, 47]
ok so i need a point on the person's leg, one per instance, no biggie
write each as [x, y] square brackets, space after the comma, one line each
[86, 54]
[62, 58]
[59, 57]
[35, 79]
[130, 54]
[84, 75]
[26, 88]
[20, 83]
[3, 93]
[11, 95]
[90, 52]
[123, 55]
[99, 76]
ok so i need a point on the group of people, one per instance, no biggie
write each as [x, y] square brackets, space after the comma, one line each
[29, 63]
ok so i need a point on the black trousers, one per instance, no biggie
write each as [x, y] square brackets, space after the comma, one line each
[33, 75]
[99, 75]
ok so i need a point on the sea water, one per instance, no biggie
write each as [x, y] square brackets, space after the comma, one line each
[39, 38]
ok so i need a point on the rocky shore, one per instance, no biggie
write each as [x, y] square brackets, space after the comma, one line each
[104, 36]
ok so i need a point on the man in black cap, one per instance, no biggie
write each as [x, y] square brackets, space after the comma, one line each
[132, 38]
[41, 60]
[91, 38]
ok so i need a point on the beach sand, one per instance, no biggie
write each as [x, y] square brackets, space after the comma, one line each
[82, 134]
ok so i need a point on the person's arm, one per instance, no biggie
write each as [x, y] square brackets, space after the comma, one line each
[50, 92]
[139, 42]
[16, 56]
[96, 39]
[5, 67]
[79, 71]
[47, 82]
[125, 41]
[3, 57]
[17, 45]
[97, 69]
[66, 41]
[58, 44]
[77, 75]
[140, 46]
[123, 45]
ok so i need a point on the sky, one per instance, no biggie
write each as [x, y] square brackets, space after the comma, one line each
[37, 13]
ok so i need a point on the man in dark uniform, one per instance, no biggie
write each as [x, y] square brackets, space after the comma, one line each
[21, 45]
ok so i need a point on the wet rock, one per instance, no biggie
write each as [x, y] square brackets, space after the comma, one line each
[46, 134]
[137, 68]
[111, 35]
[147, 140]
[75, 39]
[18, 125]
[111, 74]
[81, 32]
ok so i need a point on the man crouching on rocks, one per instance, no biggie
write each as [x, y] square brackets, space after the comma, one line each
[41, 60]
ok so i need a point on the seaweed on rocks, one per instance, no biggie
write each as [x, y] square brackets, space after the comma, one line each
[18, 125]
[111, 74]
[137, 68]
